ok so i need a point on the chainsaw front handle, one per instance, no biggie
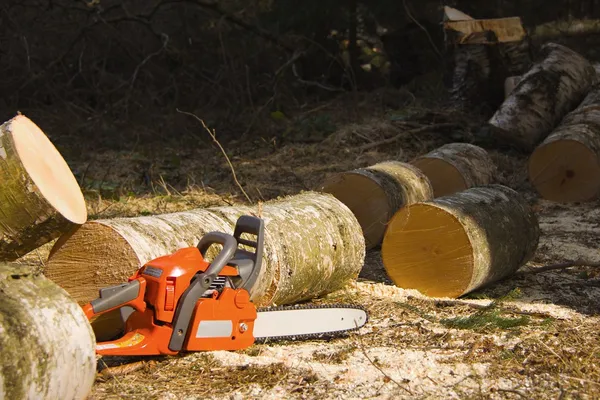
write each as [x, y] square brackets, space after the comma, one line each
[225, 255]
[115, 297]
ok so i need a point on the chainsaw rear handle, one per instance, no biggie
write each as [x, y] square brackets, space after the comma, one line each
[218, 263]
[114, 297]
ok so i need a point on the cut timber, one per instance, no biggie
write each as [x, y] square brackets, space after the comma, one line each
[455, 167]
[546, 93]
[313, 246]
[485, 31]
[452, 245]
[566, 166]
[39, 196]
[47, 347]
[452, 14]
[375, 193]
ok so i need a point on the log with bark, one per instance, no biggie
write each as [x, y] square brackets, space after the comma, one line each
[47, 347]
[509, 84]
[545, 94]
[39, 196]
[455, 167]
[376, 192]
[452, 245]
[313, 246]
[566, 166]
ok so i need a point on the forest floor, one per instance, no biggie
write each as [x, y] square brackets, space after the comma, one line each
[532, 335]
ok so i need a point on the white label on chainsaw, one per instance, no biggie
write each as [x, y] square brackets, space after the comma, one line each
[210, 329]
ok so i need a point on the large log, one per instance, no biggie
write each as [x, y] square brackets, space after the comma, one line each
[47, 347]
[39, 196]
[455, 167]
[554, 86]
[376, 192]
[313, 246]
[452, 245]
[565, 167]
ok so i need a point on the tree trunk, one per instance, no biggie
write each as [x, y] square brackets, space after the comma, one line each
[39, 196]
[313, 246]
[544, 95]
[375, 193]
[452, 245]
[566, 166]
[455, 167]
[47, 347]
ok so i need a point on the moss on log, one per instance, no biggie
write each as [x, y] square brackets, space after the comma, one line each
[452, 245]
[47, 347]
[313, 246]
[376, 192]
[455, 167]
[39, 196]
[554, 86]
[565, 167]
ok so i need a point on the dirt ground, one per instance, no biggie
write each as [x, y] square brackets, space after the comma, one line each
[533, 335]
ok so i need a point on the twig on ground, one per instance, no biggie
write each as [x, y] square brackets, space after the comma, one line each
[564, 265]
[214, 138]
[409, 132]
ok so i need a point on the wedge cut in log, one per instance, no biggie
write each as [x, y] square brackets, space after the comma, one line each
[47, 347]
[485, 31]
[376, 192]
[566, 166]
[452, 245]
[313, 246]
[553, 87]
[455, 167]
[452, 14]
[39, 196]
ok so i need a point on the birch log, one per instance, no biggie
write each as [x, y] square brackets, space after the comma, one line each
[554, 86]
[376, 192]
[313, 246]
[452, 245]
[47, 347]
[455, 167]
[566, 166]
[39, 196]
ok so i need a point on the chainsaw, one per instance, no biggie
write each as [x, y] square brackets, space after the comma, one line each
[182, 302]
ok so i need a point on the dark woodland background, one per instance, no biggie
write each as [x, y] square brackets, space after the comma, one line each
[112, 75]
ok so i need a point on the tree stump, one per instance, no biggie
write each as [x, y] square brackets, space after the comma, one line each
[39, 196]
[452, 245]
[545, 94]
[566, 166]
[455, 167]
[376, 192]
[47, 347]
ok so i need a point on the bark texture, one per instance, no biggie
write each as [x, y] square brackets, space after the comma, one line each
[27, 218]
[472, 163]
[545, 94]
[393, 184]
[313, 246]
[566, 165]
[490, 231]
[47, 347]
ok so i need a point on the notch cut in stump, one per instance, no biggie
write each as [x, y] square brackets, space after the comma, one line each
[39, 196]
[452, 245]
[566, 166]
[376, 192]
[455, 167]
[47, 347]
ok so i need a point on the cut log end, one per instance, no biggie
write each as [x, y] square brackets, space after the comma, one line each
[444, 177]
[366, 199]
[48, 170]
[427, 249]
[565, 171]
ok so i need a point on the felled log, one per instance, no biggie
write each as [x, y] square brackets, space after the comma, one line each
[566, 166]
[455, 167]
[47, 347]
[376, 192]
[313, 246]
[546, 93]
[558, 29]
[509, 84]
[452, 245]
[39, 196]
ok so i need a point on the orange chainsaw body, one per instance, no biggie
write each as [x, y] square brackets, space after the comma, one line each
[176, 307]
